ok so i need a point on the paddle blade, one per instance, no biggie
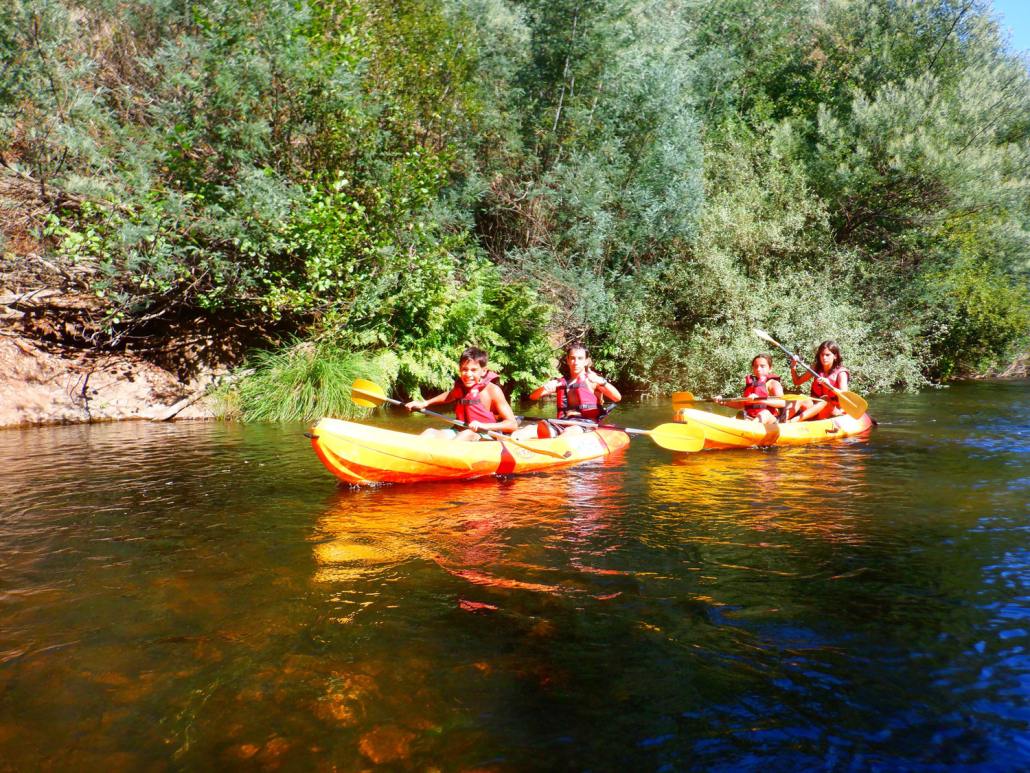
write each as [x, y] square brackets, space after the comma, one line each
[763, 335]
[685, 438]
[854, 405]
[367, 394]
[683, 397]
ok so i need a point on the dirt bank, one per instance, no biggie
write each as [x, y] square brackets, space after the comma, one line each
[41, 385]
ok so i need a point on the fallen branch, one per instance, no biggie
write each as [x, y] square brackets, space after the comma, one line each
[172, 411]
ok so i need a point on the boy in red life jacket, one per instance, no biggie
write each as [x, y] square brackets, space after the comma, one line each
[829, 364]
[581, 395]
[763, 385]
[478, 401]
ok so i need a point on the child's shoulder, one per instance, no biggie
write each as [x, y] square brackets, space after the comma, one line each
[494, 390]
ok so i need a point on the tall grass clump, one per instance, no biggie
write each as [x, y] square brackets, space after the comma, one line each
[306, 381]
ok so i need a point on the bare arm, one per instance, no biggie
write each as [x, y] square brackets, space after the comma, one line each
[798, 380]
[547, 388]
[443, 397]
[607, 389]
[499, 406]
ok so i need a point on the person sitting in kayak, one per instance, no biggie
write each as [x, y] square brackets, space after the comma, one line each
[824, 404]
[478, 401]
[763, 385]
[580, 395]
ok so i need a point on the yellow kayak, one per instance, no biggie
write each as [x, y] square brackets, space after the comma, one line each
[359, 454]
[728, 432]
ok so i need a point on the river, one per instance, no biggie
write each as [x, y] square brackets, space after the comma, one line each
[204, 595]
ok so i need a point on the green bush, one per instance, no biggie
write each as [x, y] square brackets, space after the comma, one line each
[304, 382]
[976, 317]
[655, 178]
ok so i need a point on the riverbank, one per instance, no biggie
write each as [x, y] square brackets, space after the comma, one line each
[43, 383]
[52, 385]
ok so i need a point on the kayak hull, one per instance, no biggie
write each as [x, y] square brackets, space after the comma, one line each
[728, 432]
[361, 455]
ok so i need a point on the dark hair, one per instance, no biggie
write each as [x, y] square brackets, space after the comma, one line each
[762, 356]
[563, 365]
[473, 353]
[838, 358]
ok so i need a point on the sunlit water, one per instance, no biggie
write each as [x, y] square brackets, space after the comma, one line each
[197, 596]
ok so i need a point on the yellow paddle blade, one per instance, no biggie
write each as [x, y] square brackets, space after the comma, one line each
[853, 405]
[367, 394]
[685, 438]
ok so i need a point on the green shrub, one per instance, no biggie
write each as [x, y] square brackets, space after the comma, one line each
[976, 317]
[303, 382]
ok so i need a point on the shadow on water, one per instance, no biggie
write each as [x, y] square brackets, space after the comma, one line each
[195, 595]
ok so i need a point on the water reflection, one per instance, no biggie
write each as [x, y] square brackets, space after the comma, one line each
[805, 490]
[536, 533]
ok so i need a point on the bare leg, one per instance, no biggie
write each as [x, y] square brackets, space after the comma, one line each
[813, 410]
[797, 409]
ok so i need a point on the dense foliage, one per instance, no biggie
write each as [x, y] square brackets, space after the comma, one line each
[392, 181]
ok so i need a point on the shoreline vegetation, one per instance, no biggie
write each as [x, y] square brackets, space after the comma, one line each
[260, 201]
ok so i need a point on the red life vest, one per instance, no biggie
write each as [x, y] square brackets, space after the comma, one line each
[470, 406]
[759, 389]
[576, 396]
[823, 392]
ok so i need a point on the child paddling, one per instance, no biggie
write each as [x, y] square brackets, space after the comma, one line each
[763, 392]
[580, 395]
[824, 403]
[479, 402]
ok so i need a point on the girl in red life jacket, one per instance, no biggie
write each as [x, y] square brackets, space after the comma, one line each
[829, 364]
[580, 395]
[479, 402]
[763, 392]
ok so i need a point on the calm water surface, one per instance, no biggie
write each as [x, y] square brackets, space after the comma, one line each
[196, 596]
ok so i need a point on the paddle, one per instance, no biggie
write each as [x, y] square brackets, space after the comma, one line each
[687, 397]
[854, 405]
[674, 436]
[372, 396]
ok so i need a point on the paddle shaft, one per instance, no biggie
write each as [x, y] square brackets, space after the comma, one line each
[589, 423]
[674, 436]
[687, 397]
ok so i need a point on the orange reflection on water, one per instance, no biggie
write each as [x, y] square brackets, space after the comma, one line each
[801, 489]
[528, 533]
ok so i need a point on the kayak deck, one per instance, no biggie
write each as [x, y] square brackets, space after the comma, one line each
[360, 455]
[728, 432]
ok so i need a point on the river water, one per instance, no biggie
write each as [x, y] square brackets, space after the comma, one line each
[204, 595]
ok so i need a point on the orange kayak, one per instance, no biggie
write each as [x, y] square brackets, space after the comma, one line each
[359, 454]
[728, 432]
